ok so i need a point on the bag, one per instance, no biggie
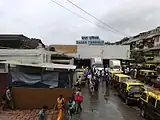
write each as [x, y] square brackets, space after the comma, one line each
[78, 98]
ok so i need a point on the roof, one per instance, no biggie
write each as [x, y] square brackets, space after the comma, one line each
[42, 65]
[116, 72]
[148, 70]
[19, 41]
[133, 82]
[122, 75]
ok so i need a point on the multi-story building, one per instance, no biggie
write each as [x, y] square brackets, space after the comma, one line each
[147, 43]
[90, 40]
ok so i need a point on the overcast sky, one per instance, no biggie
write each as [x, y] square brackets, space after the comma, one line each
[54, 25]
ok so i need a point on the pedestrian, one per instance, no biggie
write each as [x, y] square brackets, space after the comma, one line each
[79, 91]
[79, 100]
[60, 102]
[42, 113]
[9, 98]
[71, 106]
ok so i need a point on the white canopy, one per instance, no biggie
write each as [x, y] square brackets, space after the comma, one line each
[43, 65]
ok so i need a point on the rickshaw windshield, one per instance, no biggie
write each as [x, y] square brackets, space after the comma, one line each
[152, 73]
[136, 88]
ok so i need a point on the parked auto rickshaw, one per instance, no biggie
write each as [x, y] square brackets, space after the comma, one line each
[146, 75]
[150, 104]
[118, 78]
[111, 74]
[150, 66]
[131, 90]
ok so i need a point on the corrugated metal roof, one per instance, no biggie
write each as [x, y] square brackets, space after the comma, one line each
[43, 65]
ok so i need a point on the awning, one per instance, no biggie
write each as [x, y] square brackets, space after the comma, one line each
[42, 65]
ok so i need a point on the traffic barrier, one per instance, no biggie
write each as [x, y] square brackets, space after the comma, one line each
[60, 115]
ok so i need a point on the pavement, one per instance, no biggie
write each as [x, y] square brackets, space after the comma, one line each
[103, 105]
[26, 115]
[106, 105]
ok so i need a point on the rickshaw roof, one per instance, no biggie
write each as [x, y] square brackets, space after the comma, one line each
[122, 75]
[118, 72]
[148, 70]
[158, 66]
[150, 64]
[133, 82]
[155, 93]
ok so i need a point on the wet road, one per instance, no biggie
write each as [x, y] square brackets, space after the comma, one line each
[106, 105]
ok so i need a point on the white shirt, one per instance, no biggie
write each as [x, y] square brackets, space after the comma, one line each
[8, 94]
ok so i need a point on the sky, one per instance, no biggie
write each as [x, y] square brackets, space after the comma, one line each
[45, 20]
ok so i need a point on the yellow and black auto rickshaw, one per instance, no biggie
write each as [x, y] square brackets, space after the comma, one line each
[118, 78]
[131, 90]
[150, 104]
[146, 75]
[150, 66]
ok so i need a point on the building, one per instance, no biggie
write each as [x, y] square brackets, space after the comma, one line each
[106, 52]
[147, 44]
[90, 40]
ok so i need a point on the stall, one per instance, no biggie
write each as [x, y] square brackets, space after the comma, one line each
[37, 84]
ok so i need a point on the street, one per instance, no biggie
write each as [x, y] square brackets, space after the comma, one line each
[106, 105]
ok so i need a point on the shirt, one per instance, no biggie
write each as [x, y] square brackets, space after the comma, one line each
[42, 115]
[8, 94]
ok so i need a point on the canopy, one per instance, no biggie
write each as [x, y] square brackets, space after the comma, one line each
[42, 65]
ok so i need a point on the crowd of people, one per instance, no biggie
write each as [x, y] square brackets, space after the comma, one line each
[94, 77]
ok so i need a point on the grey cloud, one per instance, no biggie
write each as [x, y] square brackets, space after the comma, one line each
[54, 25]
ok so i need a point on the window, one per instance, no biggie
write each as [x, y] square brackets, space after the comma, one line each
[151, 101]
[144, 96]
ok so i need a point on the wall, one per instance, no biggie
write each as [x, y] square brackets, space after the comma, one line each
[30, 98]
[65, 48]
[106, 51]
[4, 80]
[26, 55]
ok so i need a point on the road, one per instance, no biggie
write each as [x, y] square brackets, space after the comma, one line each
[106, 105]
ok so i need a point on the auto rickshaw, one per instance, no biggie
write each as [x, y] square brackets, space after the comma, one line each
[111, 74]
[118, 78]
[150, 66]
[131, 90]
[150, 104]
[146, 75]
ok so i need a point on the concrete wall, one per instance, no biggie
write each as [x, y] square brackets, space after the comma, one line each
[25, 55]
[31, 98]
[106, 51]
[65, 48]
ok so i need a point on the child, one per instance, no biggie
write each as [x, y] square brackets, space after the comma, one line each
[42, 113]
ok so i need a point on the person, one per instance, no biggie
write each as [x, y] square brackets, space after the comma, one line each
[71, 106]
[42, 113]
[79, 81]
[9, 98]
[79, 100]
[60, 102]
[78, 91]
